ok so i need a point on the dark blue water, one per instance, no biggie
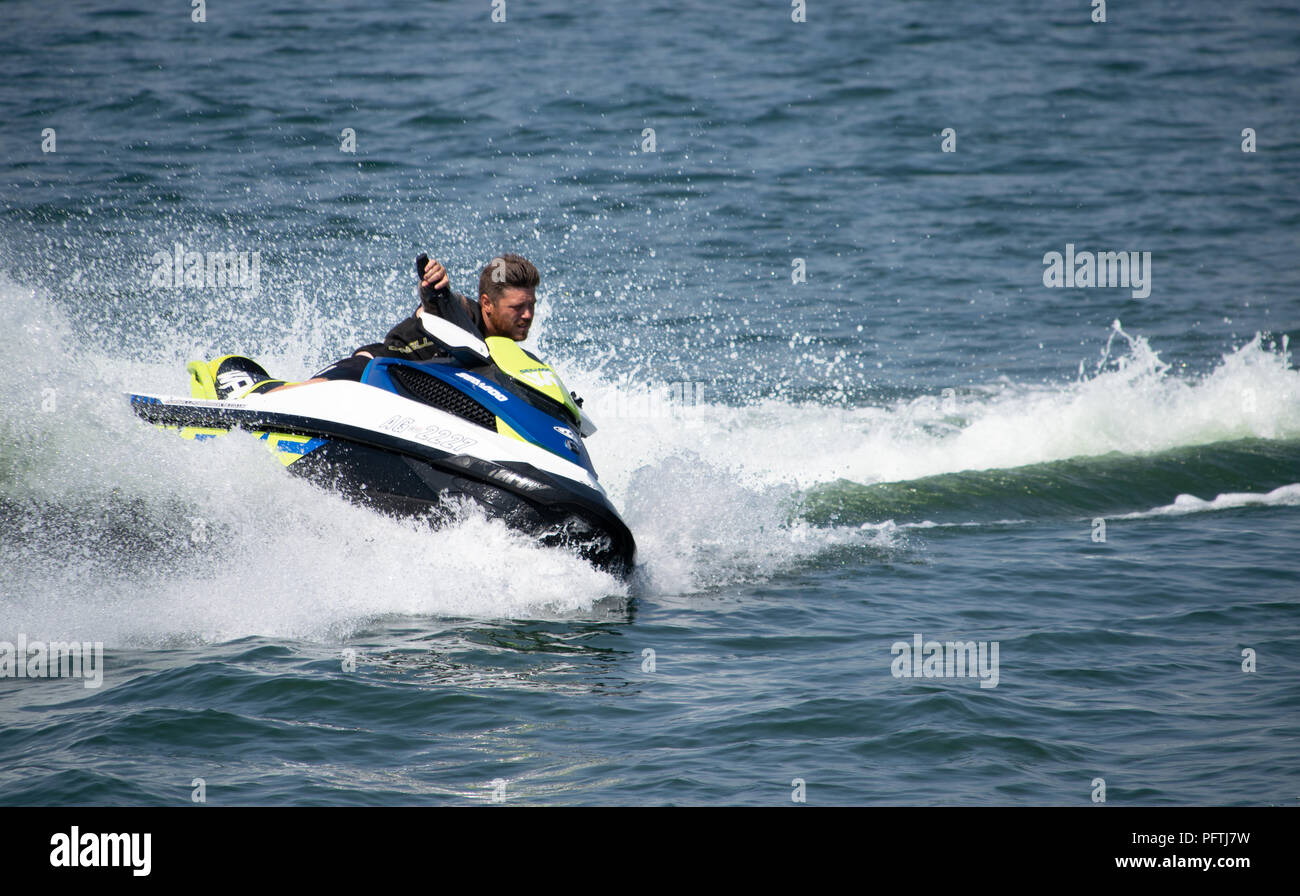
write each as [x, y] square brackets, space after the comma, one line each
[916, 437]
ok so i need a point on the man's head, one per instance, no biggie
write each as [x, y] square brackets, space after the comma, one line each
[507, 295]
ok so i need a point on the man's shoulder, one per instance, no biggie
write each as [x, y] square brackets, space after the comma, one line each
[405, 323]
[472, 309]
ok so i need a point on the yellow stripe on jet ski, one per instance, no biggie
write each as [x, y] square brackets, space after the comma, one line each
[504, 429]
[198, 433]
[287, 447]
[533, 373]
[202, 382]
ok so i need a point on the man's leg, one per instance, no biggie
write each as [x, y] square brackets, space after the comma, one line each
[347, 369]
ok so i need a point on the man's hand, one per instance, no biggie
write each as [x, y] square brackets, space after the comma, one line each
[435, 275]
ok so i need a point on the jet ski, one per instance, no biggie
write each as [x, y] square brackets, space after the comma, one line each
[490, 423]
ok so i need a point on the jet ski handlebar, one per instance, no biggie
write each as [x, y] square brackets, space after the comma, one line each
[430, 297]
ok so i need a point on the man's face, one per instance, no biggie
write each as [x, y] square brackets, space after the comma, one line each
[511, 315]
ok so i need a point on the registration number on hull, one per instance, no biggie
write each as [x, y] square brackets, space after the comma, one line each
[431, 434]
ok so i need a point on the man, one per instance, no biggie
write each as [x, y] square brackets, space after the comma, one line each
[507, 290]
[507, 299]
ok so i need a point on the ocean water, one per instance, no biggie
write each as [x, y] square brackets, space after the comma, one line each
[838, 406]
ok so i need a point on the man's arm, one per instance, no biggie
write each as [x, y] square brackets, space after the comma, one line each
[437, 298]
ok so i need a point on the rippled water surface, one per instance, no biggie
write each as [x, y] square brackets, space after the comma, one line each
[838, 406]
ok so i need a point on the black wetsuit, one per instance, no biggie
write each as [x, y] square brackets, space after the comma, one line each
[408, 339]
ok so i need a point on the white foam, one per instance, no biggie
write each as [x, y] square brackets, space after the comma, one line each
[1284, 496]
[264, 553]
[710, 491]
[1132, 405]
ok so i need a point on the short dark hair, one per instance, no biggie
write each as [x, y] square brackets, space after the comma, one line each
[504, 272]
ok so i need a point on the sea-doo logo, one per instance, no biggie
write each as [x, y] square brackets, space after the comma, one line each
[539, 377]
[479, 384]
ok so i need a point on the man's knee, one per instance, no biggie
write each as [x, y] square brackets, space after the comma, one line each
[348, 369]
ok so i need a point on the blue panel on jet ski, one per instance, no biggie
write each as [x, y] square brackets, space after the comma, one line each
[535, 425]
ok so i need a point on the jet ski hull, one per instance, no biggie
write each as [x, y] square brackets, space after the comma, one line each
[405, 458]
[522, 496]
